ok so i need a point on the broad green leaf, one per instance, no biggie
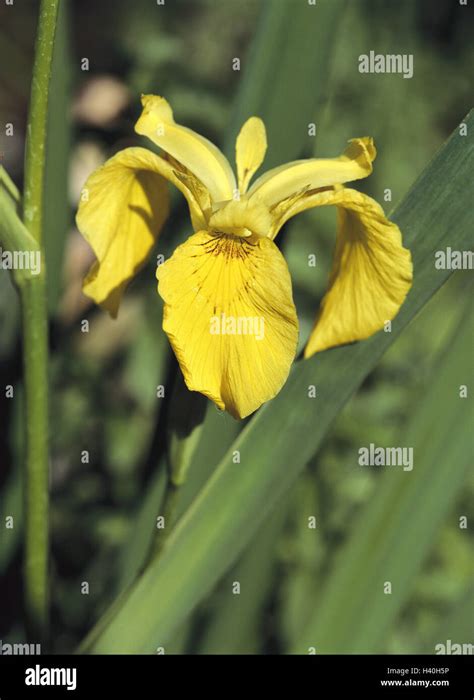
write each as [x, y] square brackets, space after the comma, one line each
[220, 522]
[219, 431]
[397, 529]
[135, 550]
[237, 618]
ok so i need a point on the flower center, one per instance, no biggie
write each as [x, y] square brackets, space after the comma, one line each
[241, 218]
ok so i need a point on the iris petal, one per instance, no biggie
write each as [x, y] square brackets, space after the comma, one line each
[230, 318]
[371, 272]
[283, 182]
[250, 150]
[124, 205]
[196, 153]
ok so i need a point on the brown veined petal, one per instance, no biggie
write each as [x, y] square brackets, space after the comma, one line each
[371, 273]
[123, 207]
[230, 318]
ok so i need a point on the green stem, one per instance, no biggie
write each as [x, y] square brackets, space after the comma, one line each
[37, 119]
[35, 339]
[36, 496]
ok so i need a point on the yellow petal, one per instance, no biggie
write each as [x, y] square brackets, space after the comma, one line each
[250, 150]
[196, 153]
[371, 273]
[123, 207]
[230, 318]
[287, 180]
[197, 196]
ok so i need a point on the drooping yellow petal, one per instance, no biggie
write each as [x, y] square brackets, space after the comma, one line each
[371, 273]
[287, 180]
[196, 153]
[122, 210]
[230, 318]
[250, 150]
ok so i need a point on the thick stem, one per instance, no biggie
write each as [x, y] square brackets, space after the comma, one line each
[36, 492]
[37, 119]
[35, 339]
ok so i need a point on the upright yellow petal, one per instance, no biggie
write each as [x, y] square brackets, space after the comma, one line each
[122, 210]
[230, 318]
[288, 180]
[196, 153]
[371, 273]
[250, 150]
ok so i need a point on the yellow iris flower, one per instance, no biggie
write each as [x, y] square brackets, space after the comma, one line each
[228, 305]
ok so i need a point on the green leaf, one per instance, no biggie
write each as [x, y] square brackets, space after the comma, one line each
[210, 536]
[144, 526]
[397, 529]
[218, 432]
[243, 612]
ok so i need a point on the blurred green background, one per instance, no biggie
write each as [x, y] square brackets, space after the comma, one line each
[108, 425]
